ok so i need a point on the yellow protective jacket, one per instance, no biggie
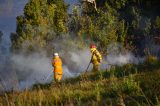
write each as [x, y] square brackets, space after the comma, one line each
[96, 56]
[57, 64]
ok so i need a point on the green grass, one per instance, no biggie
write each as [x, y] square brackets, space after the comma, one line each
[132, 85]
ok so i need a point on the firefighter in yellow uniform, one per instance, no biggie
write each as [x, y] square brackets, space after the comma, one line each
[57, 64]
[96, 58]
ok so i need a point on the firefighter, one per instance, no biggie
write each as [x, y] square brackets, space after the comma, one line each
[96, 58]
[57, 64]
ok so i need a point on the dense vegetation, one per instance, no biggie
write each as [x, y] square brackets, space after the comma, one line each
[129, 85]
[129, 22]
[42, 21]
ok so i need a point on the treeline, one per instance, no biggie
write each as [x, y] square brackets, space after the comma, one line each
[42, 21]
[125, 21]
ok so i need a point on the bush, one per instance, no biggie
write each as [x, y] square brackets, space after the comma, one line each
[127, 86]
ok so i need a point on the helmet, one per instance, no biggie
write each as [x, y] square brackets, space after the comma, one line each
[92, 46]
[55, 54]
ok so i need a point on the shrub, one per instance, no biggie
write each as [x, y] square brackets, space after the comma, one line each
[129, 85]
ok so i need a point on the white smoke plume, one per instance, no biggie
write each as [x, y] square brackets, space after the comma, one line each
[122, 59]
[31, 69]
[77, 63]
[117, 55]
[23, 71]
[75, 55]
[36, 68]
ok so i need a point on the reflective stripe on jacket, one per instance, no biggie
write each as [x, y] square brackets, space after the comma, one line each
[96, 56]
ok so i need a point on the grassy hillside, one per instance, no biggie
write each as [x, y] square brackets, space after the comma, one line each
[132, 85]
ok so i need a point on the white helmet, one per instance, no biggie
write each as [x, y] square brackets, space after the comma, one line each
[55, 54]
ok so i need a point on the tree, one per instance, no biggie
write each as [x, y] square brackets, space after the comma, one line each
[102, 27]
[42, 21]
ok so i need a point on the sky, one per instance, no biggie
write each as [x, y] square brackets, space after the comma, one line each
[71, 2]
[9, 10]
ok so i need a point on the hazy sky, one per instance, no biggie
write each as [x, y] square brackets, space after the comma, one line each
[9, 9]
[71, 2]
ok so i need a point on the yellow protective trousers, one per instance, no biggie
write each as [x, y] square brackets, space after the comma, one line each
[57, 77]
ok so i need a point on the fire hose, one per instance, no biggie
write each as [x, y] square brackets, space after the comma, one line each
[102, 62]
[48, 76]
[88, 66]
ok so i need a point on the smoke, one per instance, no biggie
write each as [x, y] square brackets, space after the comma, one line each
[74, 53]
[31, 69]
[122, 59]
[20, 71]
[36, 68]
[23, 71]
[9, 10]
[117, 55]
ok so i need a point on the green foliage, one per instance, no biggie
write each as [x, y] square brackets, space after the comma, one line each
[114, 21]
[103, 28]
[156, 25]
[117, 4]
[121, 21]
[151, 62]
[129, 85]
[125, 70]
[106, 29]
[122, 32]
[151, 59]
[42, 21]
[157, 22]
[140, 17]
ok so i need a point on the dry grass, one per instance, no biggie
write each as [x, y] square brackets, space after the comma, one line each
[136, 87]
